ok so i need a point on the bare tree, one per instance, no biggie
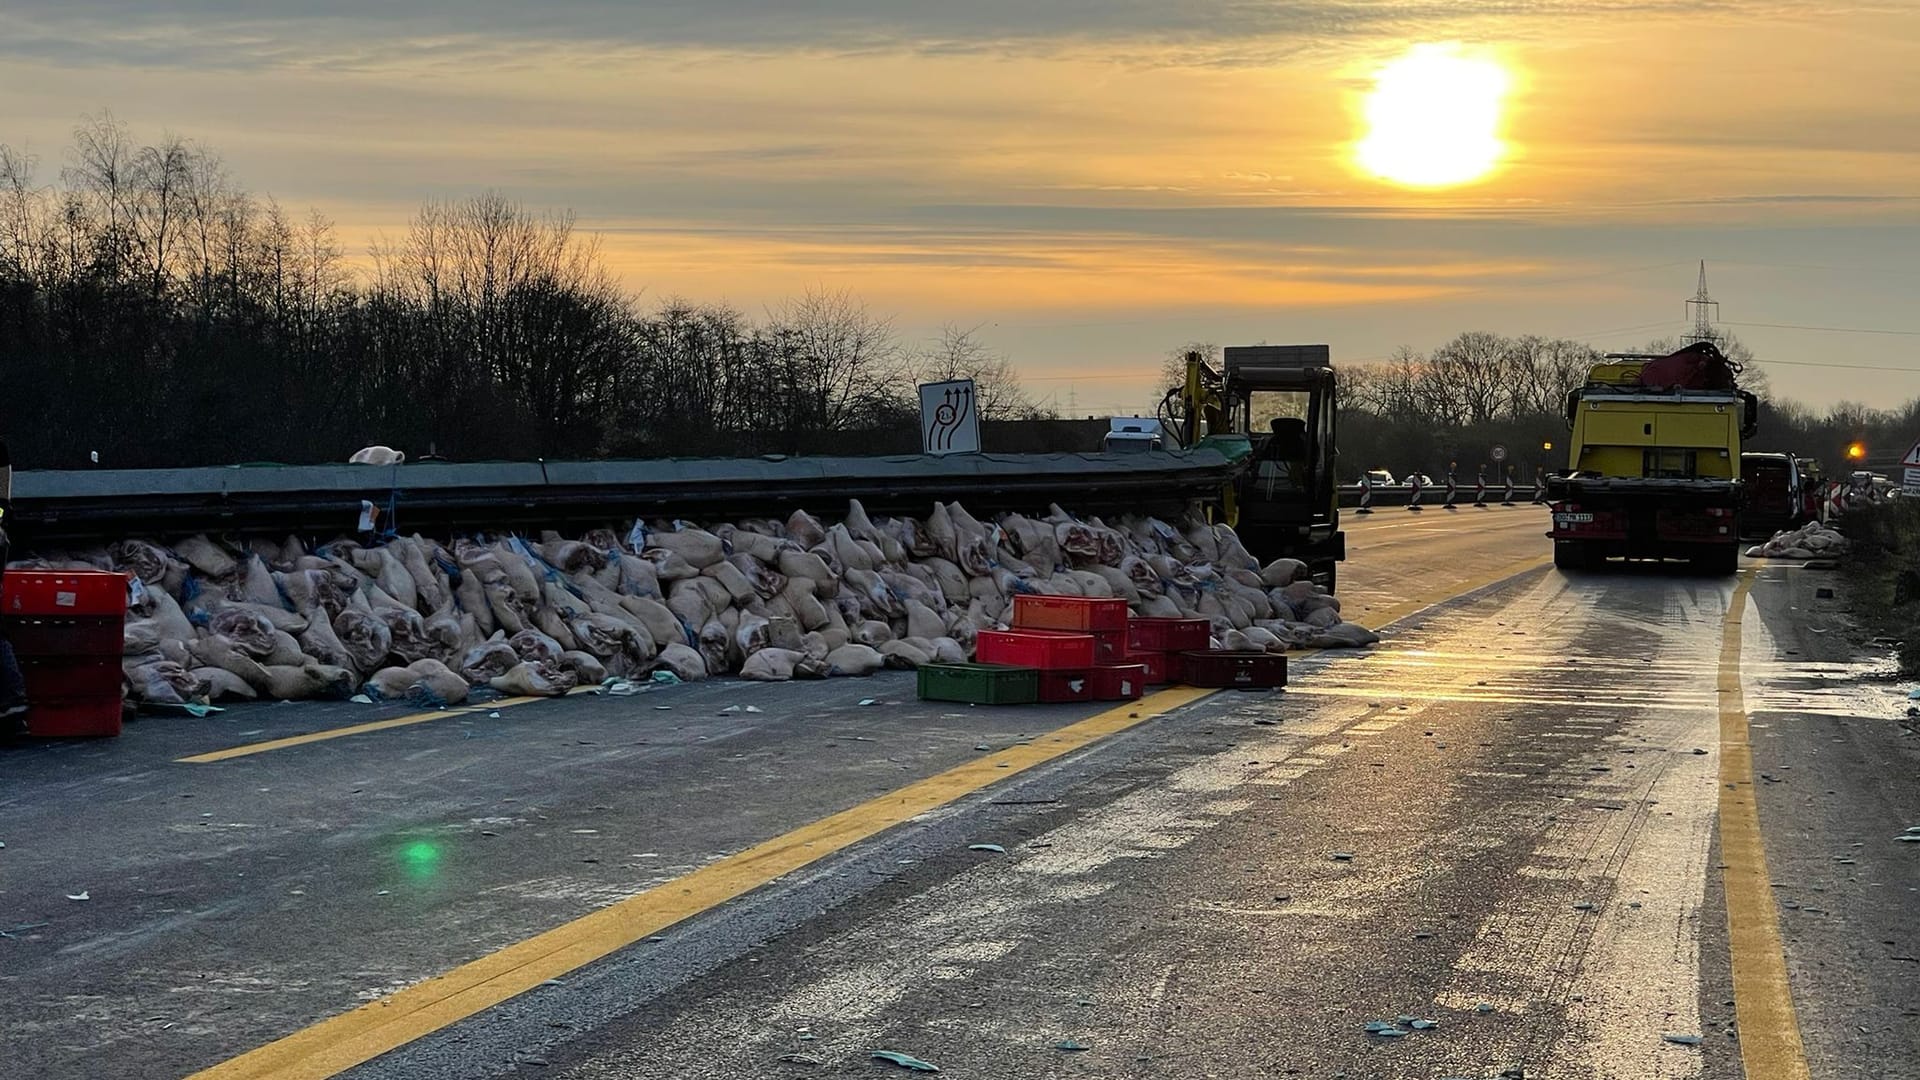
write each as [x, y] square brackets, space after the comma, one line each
[843, 367]
[958, 354]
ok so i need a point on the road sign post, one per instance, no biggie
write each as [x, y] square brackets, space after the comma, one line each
[949, 421]
[1910, 477]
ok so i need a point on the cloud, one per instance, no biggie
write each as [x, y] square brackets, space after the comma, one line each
[248, 34]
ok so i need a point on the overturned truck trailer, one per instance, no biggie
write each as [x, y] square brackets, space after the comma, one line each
[101, 504]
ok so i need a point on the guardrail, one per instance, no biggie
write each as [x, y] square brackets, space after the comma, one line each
[1400, 495]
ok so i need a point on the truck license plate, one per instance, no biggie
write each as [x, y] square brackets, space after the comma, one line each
[1573, 519]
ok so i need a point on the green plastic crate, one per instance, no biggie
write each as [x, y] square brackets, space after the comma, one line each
[979, 684]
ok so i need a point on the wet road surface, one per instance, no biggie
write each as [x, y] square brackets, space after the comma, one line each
[1529, 779]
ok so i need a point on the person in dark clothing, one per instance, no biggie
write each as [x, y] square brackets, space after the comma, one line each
[13, 688]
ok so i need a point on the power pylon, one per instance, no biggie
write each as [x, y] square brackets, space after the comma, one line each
[1703, 311]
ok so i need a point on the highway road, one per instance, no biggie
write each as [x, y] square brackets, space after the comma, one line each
[1614, 825]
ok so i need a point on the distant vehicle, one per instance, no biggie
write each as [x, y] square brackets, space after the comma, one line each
[1381, 478]
[1813, 488]
[1775, 494]
[1133, 435]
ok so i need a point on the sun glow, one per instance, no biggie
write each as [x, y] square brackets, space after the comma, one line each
[1433, 118]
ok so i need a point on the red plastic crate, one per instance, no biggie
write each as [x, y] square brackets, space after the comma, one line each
[1063, 686]
[63, 592]
[1234, 670]
[1109, 646]
[1032, 612]
[56, 635]
[1168, 635]
[1119, 682]
[71, 678]
[1048, 650]
[1158, 666]
[76, 717]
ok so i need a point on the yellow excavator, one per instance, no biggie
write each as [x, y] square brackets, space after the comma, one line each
[1274, 410]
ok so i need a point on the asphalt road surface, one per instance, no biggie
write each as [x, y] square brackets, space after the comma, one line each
[1560, 817]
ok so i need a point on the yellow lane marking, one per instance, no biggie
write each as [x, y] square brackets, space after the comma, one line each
[353, 729]
[1763, 1002]
[337, 1044]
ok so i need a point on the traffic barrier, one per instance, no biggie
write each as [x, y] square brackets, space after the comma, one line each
[1453, 490]
[1366, 495]
[1400, 495]
[1539, 487]
[1480, 489]
[1413, 498]
[1507, 499]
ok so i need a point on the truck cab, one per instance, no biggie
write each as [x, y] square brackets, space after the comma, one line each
[1654, 462]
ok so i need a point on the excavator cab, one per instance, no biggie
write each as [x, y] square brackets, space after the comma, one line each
[1276, 408]
[1288, 501]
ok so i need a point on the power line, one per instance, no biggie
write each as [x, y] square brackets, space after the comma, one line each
[1874, 270]
[1850, 367]
[1827, 329]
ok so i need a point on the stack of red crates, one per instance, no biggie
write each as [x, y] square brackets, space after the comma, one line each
[1079, 643]
[1159, 642]
[67, 628]
[1094, 649]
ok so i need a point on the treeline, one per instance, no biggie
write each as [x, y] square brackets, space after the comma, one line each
[154, 312]
[1422, 412]
[1425, 412]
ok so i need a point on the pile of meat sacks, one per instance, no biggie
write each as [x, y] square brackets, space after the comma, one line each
[1809, 541]
[411, 618]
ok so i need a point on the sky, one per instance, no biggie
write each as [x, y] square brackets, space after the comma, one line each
[1089, 183]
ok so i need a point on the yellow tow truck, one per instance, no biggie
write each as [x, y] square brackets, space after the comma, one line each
[1654, 465]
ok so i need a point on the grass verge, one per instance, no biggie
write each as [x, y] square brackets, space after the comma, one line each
[1883, 570]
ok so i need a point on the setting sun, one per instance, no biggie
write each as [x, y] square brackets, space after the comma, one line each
[1433, 118]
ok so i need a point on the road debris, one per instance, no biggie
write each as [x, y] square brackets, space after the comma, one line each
[1386, 1029]
[668, 602]
[995, 848]
[1808, 541]
[905, 1061]
[1342, 856]
[801, 1059]
[81, 895]
[1070, 1045]
[1681, 1040]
